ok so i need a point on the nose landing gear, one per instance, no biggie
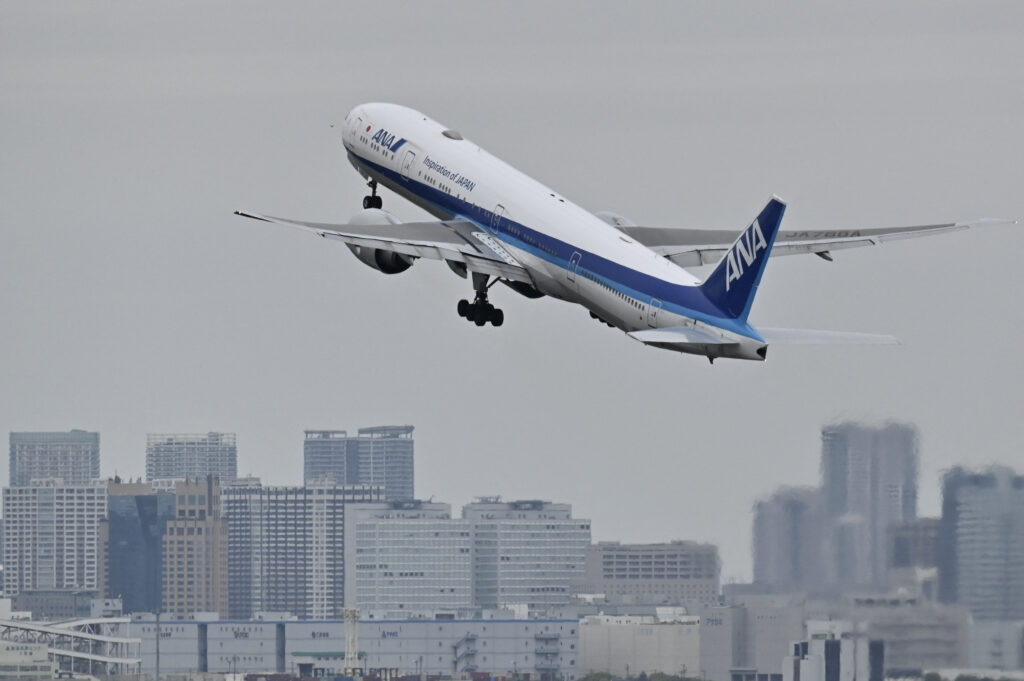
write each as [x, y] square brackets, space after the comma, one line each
[372, 201]
[480, 311]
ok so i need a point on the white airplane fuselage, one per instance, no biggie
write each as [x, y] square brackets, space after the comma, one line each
[569, 252]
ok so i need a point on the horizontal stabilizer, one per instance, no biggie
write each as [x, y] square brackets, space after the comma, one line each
[813, 337]
[678, 335]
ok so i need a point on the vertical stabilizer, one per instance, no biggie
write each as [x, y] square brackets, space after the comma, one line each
[731, 287]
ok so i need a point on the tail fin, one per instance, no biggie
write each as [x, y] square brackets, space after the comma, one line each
[731, 287]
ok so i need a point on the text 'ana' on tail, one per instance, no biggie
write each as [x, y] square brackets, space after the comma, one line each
[733, 283]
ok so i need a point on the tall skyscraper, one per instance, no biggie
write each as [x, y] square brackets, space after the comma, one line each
[381, 456]
[51, 536]
[981, 542]
[407, 557]
[527, 552]
[195, 551]
[787, 539]
[182, 456]
[869, 482]
[286, 546]
[132, 544]
[73, 457]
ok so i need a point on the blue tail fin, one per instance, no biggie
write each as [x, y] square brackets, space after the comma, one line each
[731, 287]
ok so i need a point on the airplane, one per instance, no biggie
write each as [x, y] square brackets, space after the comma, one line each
[496, 223]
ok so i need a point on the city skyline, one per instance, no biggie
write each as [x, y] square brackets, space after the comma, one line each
[778, 495]
[270, 555]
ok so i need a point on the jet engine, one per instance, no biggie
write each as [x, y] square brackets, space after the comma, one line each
[384, 261]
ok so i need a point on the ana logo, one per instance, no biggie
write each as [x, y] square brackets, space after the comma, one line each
[384, 138]
[387, 140]
[743, 253]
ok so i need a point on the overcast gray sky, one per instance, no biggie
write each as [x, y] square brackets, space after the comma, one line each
[132, 301]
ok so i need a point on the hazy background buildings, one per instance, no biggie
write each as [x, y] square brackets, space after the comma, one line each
[839, 536]
[921, 592]
[981, 542]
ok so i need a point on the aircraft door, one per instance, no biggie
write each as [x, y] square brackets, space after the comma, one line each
[652, 312]
[407, 163]
[354, 125]
[496, 217]
[574, 266]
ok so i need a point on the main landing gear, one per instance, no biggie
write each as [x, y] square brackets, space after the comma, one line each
[480, 311]
[372, 201]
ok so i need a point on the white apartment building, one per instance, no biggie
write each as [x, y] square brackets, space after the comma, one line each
[51, 535]
[526, 552]
[407, 558]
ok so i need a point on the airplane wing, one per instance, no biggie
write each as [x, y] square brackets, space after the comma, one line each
[454, 241]
[693, 247]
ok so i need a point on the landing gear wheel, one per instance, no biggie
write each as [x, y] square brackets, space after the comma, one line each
[372, 201]
[480, 311]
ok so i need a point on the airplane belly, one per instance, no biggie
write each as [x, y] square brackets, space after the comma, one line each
[548, 278]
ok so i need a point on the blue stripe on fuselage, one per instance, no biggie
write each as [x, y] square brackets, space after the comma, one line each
[688, 301]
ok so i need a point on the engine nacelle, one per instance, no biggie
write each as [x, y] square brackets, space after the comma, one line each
[387, 262]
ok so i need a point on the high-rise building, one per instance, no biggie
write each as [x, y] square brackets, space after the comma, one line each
[286, 546]
[185, 456]
[407, 558]
[195, 551]
[73, 457]
[330, 453]
[526, 552]
[914, 544]
[381, 456]
[981, 542]
[912, 552]
[869, 482]
[132, 544]
[670, 573]
[51, 535]
[787, 539]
